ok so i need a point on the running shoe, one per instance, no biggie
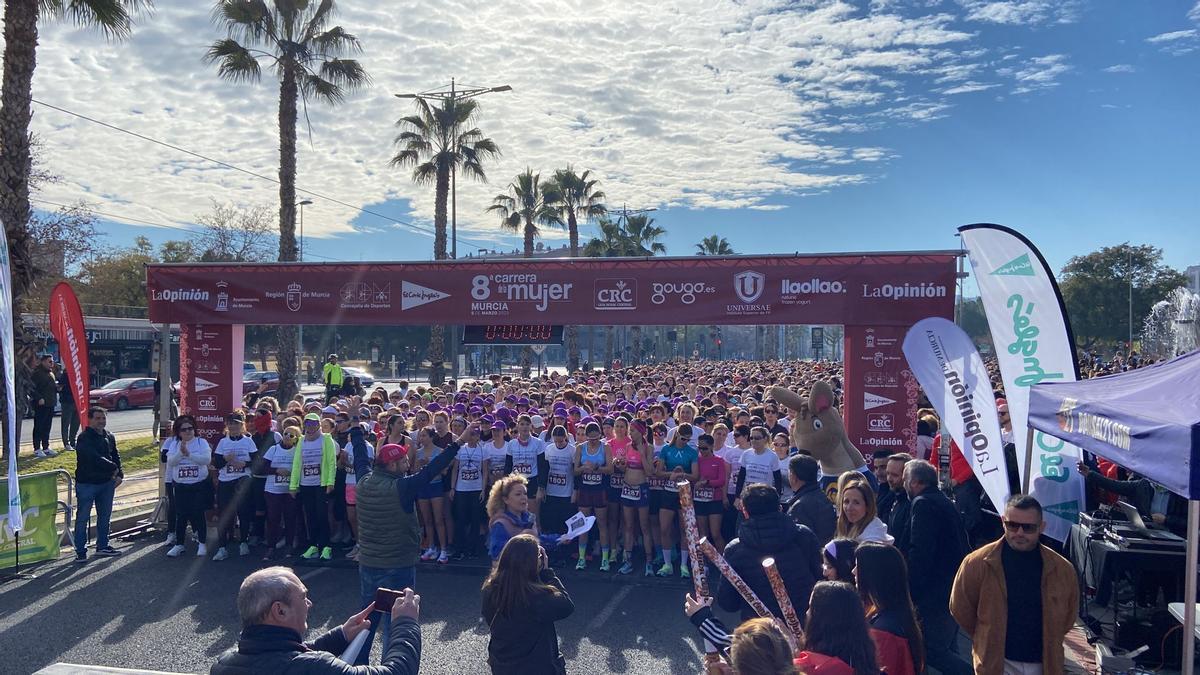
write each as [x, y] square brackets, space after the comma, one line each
[443, 557]
[39, 454]
[649, 570]
[626, 567]
[170, 538]
[201, 551]
[81, 557]
[353, 554]
[222, 554]
[327, 553]
[429, 554]
[51, 453]
[311, 553]
[108, 551]
[582, 564]
[176, 551]
[684, 572]
[604, 565]
[667, 570]
[244, 549]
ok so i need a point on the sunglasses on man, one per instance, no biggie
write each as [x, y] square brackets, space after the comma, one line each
[1027, 528]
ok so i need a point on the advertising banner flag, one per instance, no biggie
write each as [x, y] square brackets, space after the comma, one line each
[949, 368]
[210, 375]
[10, 386]
[38, 534]
[881, 395]
[66, 324]
[1034, 344]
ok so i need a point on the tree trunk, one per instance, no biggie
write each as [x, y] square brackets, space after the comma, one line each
[573, 232]
[437, 334]
[20, 59]
[528, 239]
[526, 360]
[608, 347]
[285, 336]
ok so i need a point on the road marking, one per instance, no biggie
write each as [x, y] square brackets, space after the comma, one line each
[609, 608]
[308, 575]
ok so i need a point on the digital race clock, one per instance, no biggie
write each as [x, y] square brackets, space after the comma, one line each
[512, 335]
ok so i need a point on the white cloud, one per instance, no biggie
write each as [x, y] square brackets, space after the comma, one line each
[969, 88]
[1177, 43]
[1121, 68]
[1194, 13]
[728, 106]
[1021, 12]
[1039, 73]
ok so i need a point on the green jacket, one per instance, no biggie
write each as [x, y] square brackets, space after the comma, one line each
[332, 374]
[328, 463]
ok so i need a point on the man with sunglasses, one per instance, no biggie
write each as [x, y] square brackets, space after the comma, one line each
[1016, 598]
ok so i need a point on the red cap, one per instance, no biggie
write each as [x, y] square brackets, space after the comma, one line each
[390, 453]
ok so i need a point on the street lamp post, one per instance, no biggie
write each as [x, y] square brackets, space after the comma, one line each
[300, 329]
[452, 96]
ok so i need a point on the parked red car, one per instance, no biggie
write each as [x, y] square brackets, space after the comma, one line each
[125, 393]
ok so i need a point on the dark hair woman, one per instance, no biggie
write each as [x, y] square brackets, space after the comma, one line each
[522, 598]
[837, 560]
[188, 457]
[836, 637]
[882, 577]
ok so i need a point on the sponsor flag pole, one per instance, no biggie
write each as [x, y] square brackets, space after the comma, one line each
[66, 324]
[1034, 343]
[15, 522]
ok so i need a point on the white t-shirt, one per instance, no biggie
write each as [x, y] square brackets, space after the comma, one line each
[280, 458]
[352, 479]
[560, 481]
[525, 457]
[495, 457]
[470, 465]
[186, 470]
[239, 450]
[732, 457]
[310, 461]
[760, 468]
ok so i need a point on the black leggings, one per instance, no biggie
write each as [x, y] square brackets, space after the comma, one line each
[467, 516]
[191, 501]
[316, 514]
[171, 515]
[234, 501]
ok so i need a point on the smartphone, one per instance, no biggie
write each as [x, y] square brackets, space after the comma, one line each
[385, 598]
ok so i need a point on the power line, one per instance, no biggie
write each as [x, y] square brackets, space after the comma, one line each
[144, 222]
[420, 229]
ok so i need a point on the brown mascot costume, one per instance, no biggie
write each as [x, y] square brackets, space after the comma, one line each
[818, 428]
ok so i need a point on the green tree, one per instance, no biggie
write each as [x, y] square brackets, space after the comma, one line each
[436, 141]
[114, 18]
[1096, 290]
[643, 236]
[307, 55]
[612, 242]
[973, 320]
[525, 205]
[579, 198]
[117, 277]
[714, 245]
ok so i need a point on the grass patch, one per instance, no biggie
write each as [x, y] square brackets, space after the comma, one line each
[137, 454]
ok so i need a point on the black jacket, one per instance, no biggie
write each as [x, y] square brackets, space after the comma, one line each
[45, 386]
[96, 457]
[524, 642]
[278, 650]
[898, 520]
[812, 509]
[797, 557]
[937, 543]
[65, 397]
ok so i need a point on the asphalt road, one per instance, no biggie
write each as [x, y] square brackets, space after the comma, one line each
[138, 419]
[143, 610]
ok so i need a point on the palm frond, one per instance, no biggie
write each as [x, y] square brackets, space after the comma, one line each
[320, 17]
[234, 62]
[248, 21]
[345, 73]
[335, 41]
[313, 86]
[114, 18]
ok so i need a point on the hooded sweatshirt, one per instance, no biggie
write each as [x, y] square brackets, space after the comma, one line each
[797, 557]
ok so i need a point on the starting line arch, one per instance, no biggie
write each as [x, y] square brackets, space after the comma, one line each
[876, 296]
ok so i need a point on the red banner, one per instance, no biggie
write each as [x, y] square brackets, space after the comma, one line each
[880, 391]
[210, 375]
[863, 289]
[66, 325]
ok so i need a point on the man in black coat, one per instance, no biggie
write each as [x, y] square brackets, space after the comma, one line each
[766, 532]
[937, 544]
[897, 519]
[810, 507]
[97, 476]
[273, 604]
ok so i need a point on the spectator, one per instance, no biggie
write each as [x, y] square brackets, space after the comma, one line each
[1153, 502]
[837, 560]
[767, 532]
[332, 376]
[882, 580]
[389, 536]
[273, 604]
[810, 507]
[509, 515]
[836, 638]
[522, 598]
[1016, 598]
[937, 544]
[856, 515]
[897, 519]
[97, 475]
[70, 414]
[757, 646]
[45, 393]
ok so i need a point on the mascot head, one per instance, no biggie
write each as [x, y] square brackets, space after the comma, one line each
[818, 428]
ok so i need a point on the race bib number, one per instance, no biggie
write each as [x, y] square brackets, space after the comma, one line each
[497, 470]
[468, 474]
[230, 471]
[592, 479]
[616, 480]
[311, 470]
[657, 483]
[631, 492]
[523, 469]
[557, 479]
[189, 471]
[705, 494]
[282, 480]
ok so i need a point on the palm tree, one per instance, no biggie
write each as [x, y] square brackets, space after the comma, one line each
[611, 243]
[295, 39]
[527, 203]
[714, 245]
[438, 141]
[643, 236]
[578, 195]
[114, 18]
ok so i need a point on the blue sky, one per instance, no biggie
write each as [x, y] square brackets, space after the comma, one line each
[808, 127]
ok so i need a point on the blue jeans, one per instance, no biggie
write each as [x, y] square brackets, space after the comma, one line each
[87, 494]
[370, 580]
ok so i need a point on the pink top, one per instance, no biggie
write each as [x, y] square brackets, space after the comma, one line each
[714, 470]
